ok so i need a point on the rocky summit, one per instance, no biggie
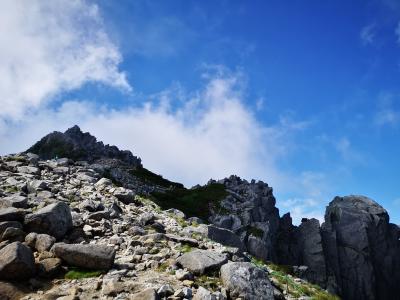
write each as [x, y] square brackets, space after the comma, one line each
[84, 220]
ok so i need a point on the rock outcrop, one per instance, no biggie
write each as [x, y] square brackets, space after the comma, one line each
[362, 249]
[76, 145]
[249, 211]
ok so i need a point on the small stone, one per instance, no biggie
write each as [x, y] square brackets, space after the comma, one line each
[147, 294]
[99, 215]
[187, 293]
[103, 182]
[136, 230]
[49, 267]
[203, 294]
[35, 185]
[183, 275]
[146, 218]
[165, 290]
[13, 234]
[44, 242]
[30, 239]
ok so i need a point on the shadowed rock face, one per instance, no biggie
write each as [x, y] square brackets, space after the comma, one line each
[312, 254]
[361, 249]
[249, 211]
[77, 145]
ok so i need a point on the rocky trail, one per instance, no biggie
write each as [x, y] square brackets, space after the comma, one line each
[83, 220]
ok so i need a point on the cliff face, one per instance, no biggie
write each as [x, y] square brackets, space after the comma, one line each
[355, 253]
[362, 249]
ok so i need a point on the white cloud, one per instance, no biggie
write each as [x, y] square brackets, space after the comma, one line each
[47, 47]
[367, 34]
[212, 136]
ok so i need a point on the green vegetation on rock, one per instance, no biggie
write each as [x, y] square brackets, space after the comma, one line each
[209, 281]
[195, 202]
[78, 273]
[282, 277]
[150, 177]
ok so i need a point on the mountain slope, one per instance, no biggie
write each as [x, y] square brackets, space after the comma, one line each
[143, 241]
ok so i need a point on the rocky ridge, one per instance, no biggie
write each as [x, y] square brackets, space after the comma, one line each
[74, 229]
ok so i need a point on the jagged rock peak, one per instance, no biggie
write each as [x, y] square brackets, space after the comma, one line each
[78, 145]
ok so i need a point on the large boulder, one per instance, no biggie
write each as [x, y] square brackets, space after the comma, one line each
[202, 261]
[362, 249]
[246, 281]
[54, 219]
[225, 237]
[16, 262]
[90, 256]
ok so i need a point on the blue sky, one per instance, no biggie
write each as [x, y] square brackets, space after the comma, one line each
[303, 95]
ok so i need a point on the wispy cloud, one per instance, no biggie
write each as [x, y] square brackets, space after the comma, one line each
[397, 32]
[387, 117]
[47, 47]
[386, 114]
[368, 33]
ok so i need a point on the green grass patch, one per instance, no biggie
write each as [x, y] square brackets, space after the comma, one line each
[195, 202]
[286, 269]
[258, 262]
[11, 189]
[210, 281]
[150, 177]
[78, 273]
[185, 248]
[282, 276]
[162, 267]
[182, 222]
